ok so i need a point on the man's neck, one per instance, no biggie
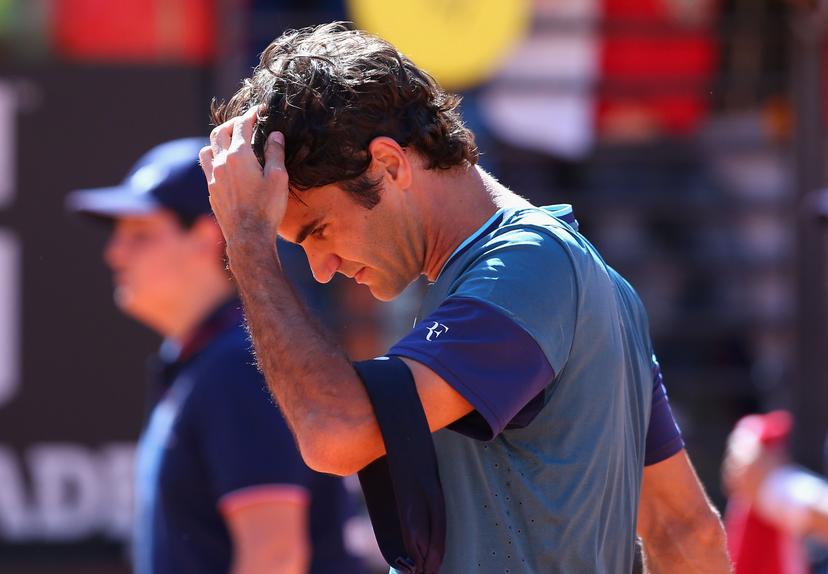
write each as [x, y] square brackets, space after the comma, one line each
[457, 205]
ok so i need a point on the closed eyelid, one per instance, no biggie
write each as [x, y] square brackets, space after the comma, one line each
[307, 229]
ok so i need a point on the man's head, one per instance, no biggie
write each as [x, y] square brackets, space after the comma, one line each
[358, 118]
[165, 249]
[331, 91]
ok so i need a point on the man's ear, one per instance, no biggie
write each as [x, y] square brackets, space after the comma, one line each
[389, 159]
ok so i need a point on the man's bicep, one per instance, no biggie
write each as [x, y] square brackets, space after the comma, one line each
[486, 356]
[493, 346]
[442, 404]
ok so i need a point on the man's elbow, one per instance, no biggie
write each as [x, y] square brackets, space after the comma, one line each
[709, 530]
[711, 541]
[324, 458]
[332, 449]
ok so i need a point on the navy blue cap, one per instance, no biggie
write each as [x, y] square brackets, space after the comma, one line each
[166, 177]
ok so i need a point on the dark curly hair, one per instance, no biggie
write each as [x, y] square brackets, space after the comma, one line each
[331, 90]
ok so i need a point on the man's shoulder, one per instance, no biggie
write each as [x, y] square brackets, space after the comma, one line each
[530, 230]
[530, 243]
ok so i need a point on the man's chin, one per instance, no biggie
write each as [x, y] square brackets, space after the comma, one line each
[126, 303]
[121, 298]
[383, 292]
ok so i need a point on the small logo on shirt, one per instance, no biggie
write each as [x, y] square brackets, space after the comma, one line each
[436, 330]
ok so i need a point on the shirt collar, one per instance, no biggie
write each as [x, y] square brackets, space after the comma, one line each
[223, 317]
[487, 227]
[562, 211]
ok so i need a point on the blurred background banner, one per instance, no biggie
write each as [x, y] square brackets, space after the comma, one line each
[71, 368]
[85, 88]
[689, 134]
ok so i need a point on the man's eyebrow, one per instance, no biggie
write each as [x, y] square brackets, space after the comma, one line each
[307, 229]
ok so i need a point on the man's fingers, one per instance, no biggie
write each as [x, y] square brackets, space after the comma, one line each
[243, 128]
[221, 136]
[205, 158]
[274, 154]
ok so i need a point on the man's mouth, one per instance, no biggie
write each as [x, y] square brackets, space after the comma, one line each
[358, 276]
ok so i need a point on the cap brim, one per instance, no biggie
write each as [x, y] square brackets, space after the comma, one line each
[110, 202]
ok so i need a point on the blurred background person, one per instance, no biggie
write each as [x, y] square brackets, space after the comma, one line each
[775, 507]
[220, 485]
[785, 494]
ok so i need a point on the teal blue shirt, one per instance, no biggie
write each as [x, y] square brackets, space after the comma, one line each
[551, 347]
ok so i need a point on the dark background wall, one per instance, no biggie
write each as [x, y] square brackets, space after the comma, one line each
[68, 430]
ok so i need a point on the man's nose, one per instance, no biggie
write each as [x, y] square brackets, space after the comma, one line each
[113, 253]
[324, 266]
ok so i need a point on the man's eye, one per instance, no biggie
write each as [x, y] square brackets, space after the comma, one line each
[319, 232]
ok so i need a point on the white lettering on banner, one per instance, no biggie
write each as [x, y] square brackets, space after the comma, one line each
[15, 518]
[10, 304]
[75, 492]
[8, 131]
[64, 482]
[117, 470]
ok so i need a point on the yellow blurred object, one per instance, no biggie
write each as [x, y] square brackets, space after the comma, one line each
[459, 42]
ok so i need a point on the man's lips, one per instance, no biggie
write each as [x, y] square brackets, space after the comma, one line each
[359, 275]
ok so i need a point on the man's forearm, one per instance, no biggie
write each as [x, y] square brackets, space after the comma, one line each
[680, 550]
[681, 532]
[312, 380]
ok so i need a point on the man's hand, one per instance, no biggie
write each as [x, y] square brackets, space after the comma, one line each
[249, 201]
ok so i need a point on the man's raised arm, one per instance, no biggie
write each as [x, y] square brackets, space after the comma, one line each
[317, 389]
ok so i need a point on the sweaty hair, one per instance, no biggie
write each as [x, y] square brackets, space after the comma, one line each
[331, 90]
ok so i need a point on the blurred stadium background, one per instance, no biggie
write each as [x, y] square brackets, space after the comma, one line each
[689, 134]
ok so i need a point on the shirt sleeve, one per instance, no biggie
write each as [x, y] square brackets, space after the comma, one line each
[663, 434]
[244, 439]
[504, 332]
